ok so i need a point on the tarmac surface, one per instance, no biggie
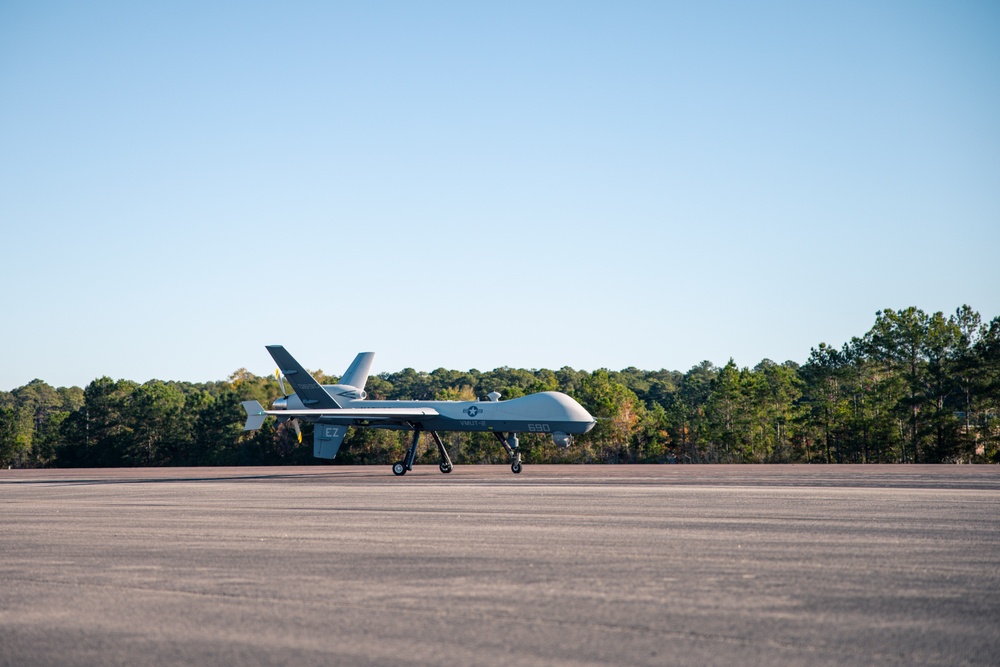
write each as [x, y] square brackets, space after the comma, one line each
[560, 565]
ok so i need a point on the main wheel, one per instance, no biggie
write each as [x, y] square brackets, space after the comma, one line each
[445, 467]
[398, 468]
[515, 467]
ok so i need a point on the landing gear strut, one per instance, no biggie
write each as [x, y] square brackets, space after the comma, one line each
[400, 467]
[445, 466]
[510, 445]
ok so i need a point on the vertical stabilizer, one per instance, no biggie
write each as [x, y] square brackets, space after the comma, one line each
[327, 439]
[308, 390]
[357, 374]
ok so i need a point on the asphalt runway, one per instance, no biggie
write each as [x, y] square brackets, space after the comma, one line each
[561, 565]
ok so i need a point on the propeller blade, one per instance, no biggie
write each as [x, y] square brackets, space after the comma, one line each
[277, 374]
[298, 430]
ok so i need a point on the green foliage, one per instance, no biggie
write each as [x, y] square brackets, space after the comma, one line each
[15, 435]
[917, 387]
[618, 412]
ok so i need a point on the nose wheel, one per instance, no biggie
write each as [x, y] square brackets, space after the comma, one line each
[510, 446]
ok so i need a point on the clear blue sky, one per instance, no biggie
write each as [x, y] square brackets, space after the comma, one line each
[472, 185]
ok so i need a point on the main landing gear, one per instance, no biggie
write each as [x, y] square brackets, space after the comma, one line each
[445, 466]
[509, 444]
[401, 467]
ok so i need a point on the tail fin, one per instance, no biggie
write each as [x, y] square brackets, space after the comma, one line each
[357, 374]
[311, 393]
[327, 439]
[255, 415]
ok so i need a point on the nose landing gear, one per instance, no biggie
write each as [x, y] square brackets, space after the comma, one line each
[510, 446]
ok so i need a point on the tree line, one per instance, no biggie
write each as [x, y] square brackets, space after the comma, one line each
[916, 388]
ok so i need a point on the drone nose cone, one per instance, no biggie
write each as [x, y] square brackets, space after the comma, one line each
[574, 411]
[554, 406]
[578, 413]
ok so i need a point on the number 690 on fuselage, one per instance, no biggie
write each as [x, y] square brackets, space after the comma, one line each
[334, 408]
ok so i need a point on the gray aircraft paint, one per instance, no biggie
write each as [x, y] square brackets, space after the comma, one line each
[333, 408]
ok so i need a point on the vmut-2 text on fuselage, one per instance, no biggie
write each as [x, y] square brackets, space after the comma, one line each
[335, 408]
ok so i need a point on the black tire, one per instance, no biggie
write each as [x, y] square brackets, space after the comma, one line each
[399, 468]
[515, 467]
[445, 467]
